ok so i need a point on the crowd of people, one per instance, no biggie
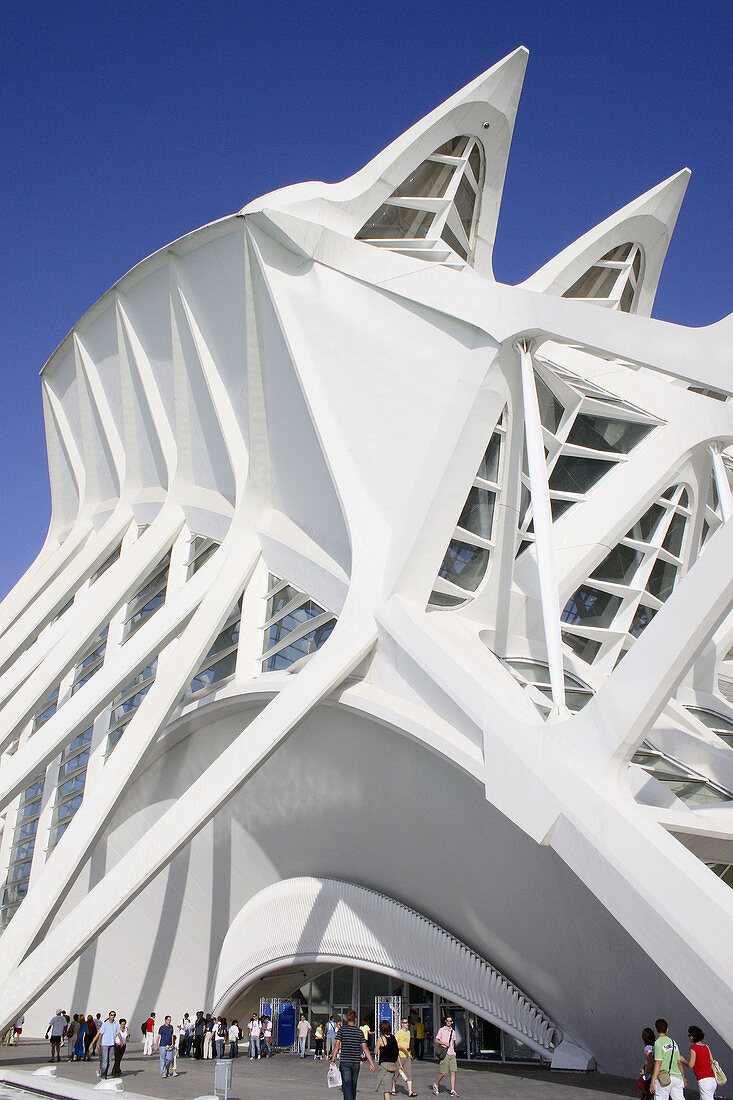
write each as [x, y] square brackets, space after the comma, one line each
[663, 1076]
[85, 1038]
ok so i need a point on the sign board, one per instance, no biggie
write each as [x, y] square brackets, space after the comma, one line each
[387, 1008]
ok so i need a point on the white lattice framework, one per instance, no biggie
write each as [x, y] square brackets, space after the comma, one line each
[289, 419]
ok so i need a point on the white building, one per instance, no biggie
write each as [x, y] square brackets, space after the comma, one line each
[319, 668]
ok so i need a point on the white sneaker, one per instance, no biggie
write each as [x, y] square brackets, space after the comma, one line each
[435, 1089]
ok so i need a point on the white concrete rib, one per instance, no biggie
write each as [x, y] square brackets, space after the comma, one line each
[332, 920]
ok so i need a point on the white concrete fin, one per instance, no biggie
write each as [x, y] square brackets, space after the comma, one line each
[648, 221]
[485, 109]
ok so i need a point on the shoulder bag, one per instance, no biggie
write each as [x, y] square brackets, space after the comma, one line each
[664, 1077]
[440, 1049]
[717, 1069]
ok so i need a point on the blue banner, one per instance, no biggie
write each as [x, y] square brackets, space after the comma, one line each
[286, 1026]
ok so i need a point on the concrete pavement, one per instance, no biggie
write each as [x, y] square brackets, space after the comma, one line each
[287, 1076]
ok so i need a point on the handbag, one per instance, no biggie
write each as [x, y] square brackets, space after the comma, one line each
[664, 1076]
[717, 1069]
[440, 1050]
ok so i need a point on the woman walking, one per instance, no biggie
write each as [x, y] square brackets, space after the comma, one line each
[89, 1037]
[387, 1053]
[647, 1037]
[700, 1062]
[81, 1034]
[121, 1040]
[349, 1046]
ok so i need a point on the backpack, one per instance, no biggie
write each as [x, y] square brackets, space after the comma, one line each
[144, 1028]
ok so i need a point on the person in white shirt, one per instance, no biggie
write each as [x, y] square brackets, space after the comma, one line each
[234, 1039]
[18, 1028]
[303, 1029]
[266, 1037]
[55, 1031]
[255, 1030]
[105, 1040]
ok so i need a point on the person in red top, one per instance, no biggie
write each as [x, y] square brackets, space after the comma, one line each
[700, 1064]
[149, 1035]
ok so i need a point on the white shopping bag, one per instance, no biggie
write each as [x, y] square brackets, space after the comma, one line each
[334, 1077]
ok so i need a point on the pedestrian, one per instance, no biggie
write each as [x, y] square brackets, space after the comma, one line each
[366, 1031]
[165, 1047]
[149, 1035]
[701, 1062]
[349, 1047]
[668, 1077]
[72, 1029]
[253, 1028]
[318, 1036]
[303, 1029]
[208, 1035]
[234, 1039]
[55, 1032]
[198, 1036]
[89, 1037]
[446, 1039]
[419, 1039]
[18, 1028]
[645, 1076]
[82, 1032]
[405, 1048]
[121, 1040]
[220, 1036]
[181, 1034]
[387, 1053]
[331, 1030]
[266, 1037]
[105, 1040]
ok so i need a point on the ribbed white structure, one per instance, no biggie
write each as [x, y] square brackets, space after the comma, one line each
[365, 566]
[332, 921]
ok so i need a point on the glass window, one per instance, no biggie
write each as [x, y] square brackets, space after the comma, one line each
[584, 648]
[456, 147]
[478, 513]
[627, 298]
[600, 433]
[106, 564]
[443, 599]
[489, 468]
[662, 580]
[551, 410]
[619, 566]
[396, 222]
[474, 161]
[464, 565]
[465, 201]
[642, 618]
[591, 607]
[572, 474]
[428, 181]
[620, 252]
[675, 535]
[452, 241]
[597, 282]
[645, 527]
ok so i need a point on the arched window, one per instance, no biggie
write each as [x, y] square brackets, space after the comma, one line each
[435, 208]
[614, 280]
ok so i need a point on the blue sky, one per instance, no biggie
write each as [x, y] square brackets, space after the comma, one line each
[125, 125]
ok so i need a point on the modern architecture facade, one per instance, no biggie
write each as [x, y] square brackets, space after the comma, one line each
[382, 639]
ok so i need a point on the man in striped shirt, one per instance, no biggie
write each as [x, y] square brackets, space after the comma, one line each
[350, 1043]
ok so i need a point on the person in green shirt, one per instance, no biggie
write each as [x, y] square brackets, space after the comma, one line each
[667, 1058]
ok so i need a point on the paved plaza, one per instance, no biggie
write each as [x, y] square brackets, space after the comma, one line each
[286, 1076]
